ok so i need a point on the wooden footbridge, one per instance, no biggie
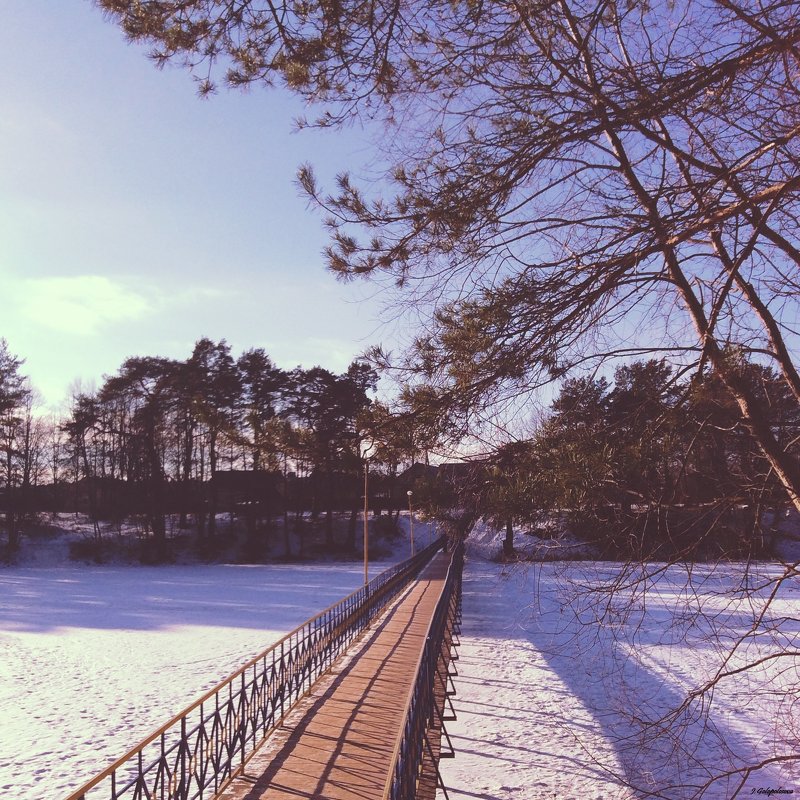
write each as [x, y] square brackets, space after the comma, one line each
[351, 704]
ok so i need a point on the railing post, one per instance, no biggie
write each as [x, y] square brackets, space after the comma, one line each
[162, 762]
[184, 745]
[242, 721]
[283, 681]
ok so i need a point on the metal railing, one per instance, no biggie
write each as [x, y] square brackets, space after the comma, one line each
[202, 749]
[417, 753]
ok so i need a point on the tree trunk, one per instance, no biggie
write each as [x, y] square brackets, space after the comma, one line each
[329, 508]
[212, 488]
[508, 542]
[351, 528]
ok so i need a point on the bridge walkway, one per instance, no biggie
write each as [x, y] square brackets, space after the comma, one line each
[339, 743]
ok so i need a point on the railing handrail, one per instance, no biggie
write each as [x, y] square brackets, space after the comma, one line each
[377, 582]
[444, 599]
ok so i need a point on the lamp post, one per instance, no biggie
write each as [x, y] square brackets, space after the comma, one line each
[366, 521]
[367, 447]
[411, 520]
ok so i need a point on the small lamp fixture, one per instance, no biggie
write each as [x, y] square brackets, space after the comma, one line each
[411, 521]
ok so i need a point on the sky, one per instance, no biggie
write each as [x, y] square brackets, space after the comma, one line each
[136, 217]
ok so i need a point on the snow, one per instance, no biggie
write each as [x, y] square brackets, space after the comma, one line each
[94, 658]
[561, 681]
[567, 691]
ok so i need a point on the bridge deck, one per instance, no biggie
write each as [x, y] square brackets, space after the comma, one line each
[338, 744]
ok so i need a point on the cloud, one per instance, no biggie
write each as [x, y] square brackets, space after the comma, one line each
[81, 304]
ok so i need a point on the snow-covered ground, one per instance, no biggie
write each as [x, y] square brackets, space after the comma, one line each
[559, 685]
[94, 658]
[567, 690]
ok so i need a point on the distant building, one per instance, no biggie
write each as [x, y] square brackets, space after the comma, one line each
[259, 489]
[457, 482]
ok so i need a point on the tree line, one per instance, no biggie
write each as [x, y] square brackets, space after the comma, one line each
[655, 462]
[651, 465]
[158, 436]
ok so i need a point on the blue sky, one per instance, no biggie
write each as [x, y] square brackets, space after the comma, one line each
[135, 217]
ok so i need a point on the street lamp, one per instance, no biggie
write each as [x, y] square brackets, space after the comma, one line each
[411, 520]
[367, 448]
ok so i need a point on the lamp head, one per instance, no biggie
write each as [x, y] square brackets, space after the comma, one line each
[368, 447]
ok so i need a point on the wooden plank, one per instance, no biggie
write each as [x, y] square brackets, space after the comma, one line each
[339, 742]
